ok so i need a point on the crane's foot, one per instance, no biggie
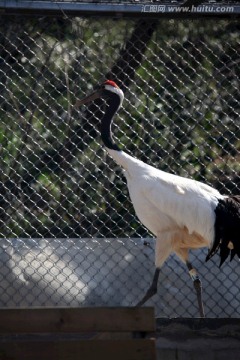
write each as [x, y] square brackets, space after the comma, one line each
[152, 290]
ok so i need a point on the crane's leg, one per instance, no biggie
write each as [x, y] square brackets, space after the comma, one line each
[198, 287]
[152, 290]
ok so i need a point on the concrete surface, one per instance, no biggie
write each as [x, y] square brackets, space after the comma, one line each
[198, 339]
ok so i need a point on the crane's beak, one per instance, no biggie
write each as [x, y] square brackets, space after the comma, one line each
[95, 95]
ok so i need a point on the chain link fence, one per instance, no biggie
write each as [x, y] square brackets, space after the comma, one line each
[69, 232]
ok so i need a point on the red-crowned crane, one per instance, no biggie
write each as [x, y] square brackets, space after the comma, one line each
[182, 213]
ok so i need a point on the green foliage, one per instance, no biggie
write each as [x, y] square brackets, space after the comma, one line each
[181, 114]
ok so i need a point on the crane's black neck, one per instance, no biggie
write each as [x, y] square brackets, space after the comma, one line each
[106, 133]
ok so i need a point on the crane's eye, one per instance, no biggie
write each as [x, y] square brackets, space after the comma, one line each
[102, 86]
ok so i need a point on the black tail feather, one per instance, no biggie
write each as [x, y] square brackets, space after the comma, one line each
[224, 252]
[213, 250]
[227, 229]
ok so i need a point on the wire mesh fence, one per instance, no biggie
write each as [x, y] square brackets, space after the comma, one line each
[69, 231]
[110, 272]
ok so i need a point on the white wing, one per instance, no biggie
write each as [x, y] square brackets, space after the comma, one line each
[189, 203]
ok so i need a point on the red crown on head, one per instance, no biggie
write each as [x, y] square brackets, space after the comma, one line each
[111, 83]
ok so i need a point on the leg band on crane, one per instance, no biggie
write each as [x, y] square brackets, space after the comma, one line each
[193, 274]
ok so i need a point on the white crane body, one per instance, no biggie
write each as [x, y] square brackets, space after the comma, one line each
[176, 210]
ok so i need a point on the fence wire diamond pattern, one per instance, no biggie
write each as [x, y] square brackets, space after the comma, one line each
[70, 235]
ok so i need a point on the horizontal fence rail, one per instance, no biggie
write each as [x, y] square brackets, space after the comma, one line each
[129, 8]
[69, 232]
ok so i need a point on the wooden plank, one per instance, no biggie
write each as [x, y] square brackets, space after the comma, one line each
[143, 349]
[72, 320]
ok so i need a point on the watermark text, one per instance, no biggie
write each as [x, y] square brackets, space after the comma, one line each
[209, 9]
